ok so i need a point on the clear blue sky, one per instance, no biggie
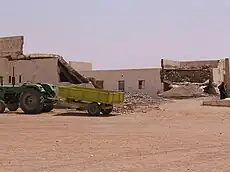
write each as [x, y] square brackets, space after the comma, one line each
[116, 34]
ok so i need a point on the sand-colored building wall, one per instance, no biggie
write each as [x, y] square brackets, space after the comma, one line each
[81, 66]
[37, 70]
[4, 69]
[131, 77]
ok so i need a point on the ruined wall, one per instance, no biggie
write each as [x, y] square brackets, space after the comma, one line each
[170, 63]
[131, 77]
[11, 46]
[199, 64]
[180, 75]
[188, 71]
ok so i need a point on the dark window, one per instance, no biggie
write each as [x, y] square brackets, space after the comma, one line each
[9, 79]
[141, 84]
[1, 80]
[100, 83]
[20, 78]
[121, 85]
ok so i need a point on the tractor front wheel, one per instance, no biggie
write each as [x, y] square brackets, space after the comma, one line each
[13, 106]
[31, 102]
[2, 106]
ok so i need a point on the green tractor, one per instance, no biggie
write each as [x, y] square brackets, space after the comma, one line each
[31, 98]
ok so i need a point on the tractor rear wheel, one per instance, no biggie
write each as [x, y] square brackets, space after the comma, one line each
[13, 106]
[2, 106]
[94, 109]
[31, 101]
[48, 108]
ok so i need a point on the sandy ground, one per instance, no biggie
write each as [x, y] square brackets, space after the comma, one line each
[181, 136]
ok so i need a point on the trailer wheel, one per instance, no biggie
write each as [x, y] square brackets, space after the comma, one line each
[13, 106]
[48, 108]
[94, 109]
[106, 109]
[31, 102]
[2, 106]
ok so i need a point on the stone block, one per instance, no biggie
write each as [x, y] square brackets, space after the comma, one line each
[11, 46]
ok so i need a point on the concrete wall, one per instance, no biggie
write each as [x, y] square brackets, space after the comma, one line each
[4, 69]
[11, 46]
[171, 63]
[189, 64]
[131, 77]
[81, 66]
[219, 72]
[199, 64]
[39, 70]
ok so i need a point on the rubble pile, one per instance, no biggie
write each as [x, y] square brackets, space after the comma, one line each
[133, 102]
[139, 98]
[184, 91]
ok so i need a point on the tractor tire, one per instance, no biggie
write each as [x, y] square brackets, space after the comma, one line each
[2, 106]
[31, 102]
[48, 108]
[13, 106]
[107, 111]
[94, 109]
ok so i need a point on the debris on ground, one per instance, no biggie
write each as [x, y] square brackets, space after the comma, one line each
[140, 98]
[184, 91]
[138, 102]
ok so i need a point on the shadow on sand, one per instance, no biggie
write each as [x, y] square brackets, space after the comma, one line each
[83, 114]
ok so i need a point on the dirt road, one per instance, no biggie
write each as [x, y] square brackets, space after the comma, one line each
[181, 136]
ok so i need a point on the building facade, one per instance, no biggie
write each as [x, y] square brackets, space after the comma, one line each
[37, 70]
[129, 80]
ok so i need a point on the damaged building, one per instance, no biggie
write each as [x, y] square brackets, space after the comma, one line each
[193, 78]
[52, 68]
[192, 71]
[49, 68]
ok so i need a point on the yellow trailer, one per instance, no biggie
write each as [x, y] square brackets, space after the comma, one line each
[93, 100]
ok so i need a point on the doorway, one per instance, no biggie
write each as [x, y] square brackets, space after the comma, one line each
[121, 85]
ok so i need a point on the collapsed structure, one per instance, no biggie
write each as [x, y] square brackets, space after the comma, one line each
[37, 67]
[191, 78]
